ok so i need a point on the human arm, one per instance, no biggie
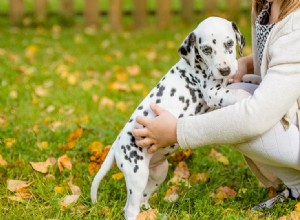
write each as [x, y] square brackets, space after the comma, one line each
[251, 117]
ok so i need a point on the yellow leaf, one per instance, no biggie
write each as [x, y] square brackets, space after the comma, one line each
[223, 160]
[9, 142]
[199, 177]
[2, 161]
[122, 106]
[59, 189]
[43, 167]
[294, 215]
[95, 146]
[41, 91]
[122, 87]
[75, 135]
[137, 87]
[182, 155]
[118, 176]
[122, 76]
[297, 207]
[150, 214]
[42, 145]
[64, 162]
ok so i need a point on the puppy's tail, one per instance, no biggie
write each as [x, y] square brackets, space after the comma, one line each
[105, 167]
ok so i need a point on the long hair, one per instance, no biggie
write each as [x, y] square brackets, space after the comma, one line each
[286, 7]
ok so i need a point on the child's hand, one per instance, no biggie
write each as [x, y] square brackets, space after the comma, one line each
[158, 132]
[245, 65]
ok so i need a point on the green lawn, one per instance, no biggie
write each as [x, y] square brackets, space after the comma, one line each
[54, 80]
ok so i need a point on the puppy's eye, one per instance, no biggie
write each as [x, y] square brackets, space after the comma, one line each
[229, 44]
[207, 50]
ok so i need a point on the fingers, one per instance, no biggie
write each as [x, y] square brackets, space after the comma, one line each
[145, 142]
[142, 120]
[140, 132]
[156, 109]
[152, 149]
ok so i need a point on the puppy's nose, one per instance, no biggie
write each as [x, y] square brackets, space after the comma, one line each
[224, 71]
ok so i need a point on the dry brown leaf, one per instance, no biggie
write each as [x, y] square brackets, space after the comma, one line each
[106, 102]
[69, 199]
[64, 162]
[150, 214]
[218, 156]
[16, 185]
[97, 158]
[171, 194]
[75, 135]
[198, 177]
[74, 189]
[118, 176]
[43, 167]
[95, 146]
[3, 162]
[181, 174]
[182, 155]
[224, 192]
[118, 86]
[133, 70]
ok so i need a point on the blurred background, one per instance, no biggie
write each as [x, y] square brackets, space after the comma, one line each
[117, 14]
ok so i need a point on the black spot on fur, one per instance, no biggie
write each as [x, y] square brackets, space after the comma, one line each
[160, 91]
[145, 113]
[214, 41]
[172, 92]
[136, 167]
[140, 107]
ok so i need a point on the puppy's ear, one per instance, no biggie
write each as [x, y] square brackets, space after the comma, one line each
[239, 37]
[187, 51]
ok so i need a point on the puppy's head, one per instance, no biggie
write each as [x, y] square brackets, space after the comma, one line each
[213, 45]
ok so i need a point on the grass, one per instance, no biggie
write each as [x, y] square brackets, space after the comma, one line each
[59, 76]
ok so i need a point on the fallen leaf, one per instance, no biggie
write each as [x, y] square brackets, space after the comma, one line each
[43, 167]
[150, 214]
[171, 194]
[9, 142]
[64, 162]
[3, 162]
[74, 189]
[75, 135]
[118, 176]
[97, 158]
[218, 156]
[59, 189]
[182, 155]
[69, 199]
[294, 215]
[198, 177]
[224, 192]
[297, 207]
[133, 70]
[42, 145]
[122, 106]
[106, 102]
[15, 185]
[16, 198]
[181, 174]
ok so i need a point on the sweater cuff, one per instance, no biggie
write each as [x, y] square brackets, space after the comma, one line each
[180, 134]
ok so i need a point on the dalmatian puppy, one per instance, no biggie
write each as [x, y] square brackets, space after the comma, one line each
[194, 85]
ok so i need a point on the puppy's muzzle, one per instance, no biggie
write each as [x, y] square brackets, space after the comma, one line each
[224, 71]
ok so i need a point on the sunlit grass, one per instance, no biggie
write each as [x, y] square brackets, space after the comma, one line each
[54, 80]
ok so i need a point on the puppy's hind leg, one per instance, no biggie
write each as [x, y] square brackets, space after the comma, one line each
[136, 181]
[157, 176]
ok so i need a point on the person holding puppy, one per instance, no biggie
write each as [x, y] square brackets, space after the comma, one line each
[263, 127]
